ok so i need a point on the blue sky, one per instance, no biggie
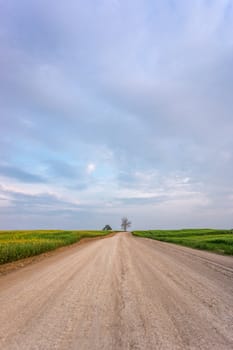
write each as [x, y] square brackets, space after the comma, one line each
[114, 108]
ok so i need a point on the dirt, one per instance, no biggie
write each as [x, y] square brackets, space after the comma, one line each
[18, 264]
[122, 292]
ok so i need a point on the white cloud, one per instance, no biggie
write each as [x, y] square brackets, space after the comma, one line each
[138, 90]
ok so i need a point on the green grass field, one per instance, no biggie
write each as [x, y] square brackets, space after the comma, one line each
[219, 241]
[15, 245]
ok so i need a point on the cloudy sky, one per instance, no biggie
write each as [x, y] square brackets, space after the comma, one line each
[116, 107]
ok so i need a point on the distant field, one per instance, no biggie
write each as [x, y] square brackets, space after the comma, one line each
[220, 241]
[15, 245]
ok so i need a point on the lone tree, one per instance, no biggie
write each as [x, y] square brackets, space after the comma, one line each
[107, 228]
[125, 223]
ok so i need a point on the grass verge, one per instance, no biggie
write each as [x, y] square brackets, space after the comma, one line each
[15, 245]
[219, 241]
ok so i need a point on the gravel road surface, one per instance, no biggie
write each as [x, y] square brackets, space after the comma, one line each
[120, 293]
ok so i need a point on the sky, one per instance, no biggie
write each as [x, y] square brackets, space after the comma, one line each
[116, 108]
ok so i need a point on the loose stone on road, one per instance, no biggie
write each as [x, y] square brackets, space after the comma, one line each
[122, 292]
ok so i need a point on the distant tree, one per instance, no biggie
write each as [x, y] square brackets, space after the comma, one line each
[107, 228]
[125, 223]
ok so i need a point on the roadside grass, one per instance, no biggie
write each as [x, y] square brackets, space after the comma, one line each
[219, 241]
[15, 245]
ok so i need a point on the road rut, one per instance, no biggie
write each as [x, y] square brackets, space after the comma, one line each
[122, 292]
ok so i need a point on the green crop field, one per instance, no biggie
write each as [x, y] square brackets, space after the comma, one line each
[15, 245]
[219, 241]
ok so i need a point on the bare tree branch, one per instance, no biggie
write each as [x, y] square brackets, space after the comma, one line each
[125, 223]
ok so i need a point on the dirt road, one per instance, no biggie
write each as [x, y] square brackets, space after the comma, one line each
[122, 292]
